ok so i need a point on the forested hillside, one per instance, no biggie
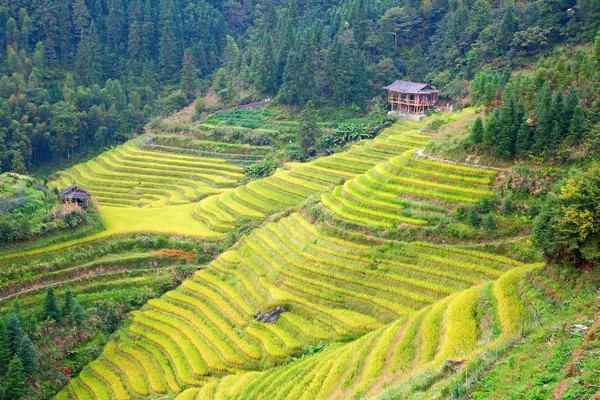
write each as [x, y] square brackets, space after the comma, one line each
[80, 75]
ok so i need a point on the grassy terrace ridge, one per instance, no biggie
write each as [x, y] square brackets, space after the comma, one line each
[392, 353]
[215, 216]
[330, 287]
[407, 190]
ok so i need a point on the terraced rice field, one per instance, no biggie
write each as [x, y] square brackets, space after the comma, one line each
[129, 176]
[290, 186]
[425, 339]
[331, 288]
[407, 191]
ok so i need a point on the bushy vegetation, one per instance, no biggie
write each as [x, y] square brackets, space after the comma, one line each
[29, 209]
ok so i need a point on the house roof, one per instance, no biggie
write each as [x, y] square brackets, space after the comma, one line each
[75, 192]
[411, 87]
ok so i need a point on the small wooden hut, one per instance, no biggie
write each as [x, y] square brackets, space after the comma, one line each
[74, 194]
[411, 97]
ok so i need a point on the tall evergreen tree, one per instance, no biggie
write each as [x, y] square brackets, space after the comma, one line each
[81, 17]
[360, 84]
[78, 315]
[491, 129]
[51, 310]
[571, 102]
[15, 385]
[477, 131]
[28, 356]
[545, 121]
[4, 347]
[68, 303]
[523, 143]
[168, 45]
[576, 126]
[504, 143]
[308, 131]
[14, 333]
[266, 71]
[559, 124]
[188, 75]
[88, 63]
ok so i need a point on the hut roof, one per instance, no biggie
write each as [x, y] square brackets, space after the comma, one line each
[411, 87]
[75, 192]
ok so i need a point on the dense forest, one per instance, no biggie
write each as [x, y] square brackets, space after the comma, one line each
[80, 75]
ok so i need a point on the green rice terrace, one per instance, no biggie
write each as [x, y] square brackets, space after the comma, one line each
[353, 275]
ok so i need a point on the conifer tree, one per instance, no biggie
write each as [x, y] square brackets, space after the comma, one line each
[473, 218]
[360, 82]
[484, 206]
[28, 356]
[308, 131]
[577, 126]
[523, 144]
[188, 75]
[14, 333]
[597, 47]
[490, 132]
[559, 124]
[266, 71]
[51, 310]
[571, 102]
[490, 224]
[545, 121]
[68, 303]
[504, 143]
[15, 385]
[18, 164]
[78, 315]
[507, 206]
[88, 63]
[81, 17]
[4, 348]
[168, 47]
[477, 131]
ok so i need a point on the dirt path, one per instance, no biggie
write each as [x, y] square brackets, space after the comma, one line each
[420, 154]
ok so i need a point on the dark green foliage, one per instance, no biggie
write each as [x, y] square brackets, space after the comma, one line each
[4, 348]
[266, 71]
[577, 129]
[490, 223]
[78, 315]
[15, 385]
[477, 131]
[28, 356]
[260, 170]
[473, 218]
[50, 309]
[507, 206]
[492, 130]
[14, 333]
[545, 122]
[308, 131]
[188, 75]
[568, 227]
[484, 206]
[524, 139]
[68, 302]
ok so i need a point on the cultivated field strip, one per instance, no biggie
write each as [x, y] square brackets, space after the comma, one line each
[291, 185]
[425, 339]
[331, 288]
[407, 191]
[129, 176]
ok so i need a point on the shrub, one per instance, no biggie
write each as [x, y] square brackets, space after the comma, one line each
[260, 170]
[489, 223]
[473, 218]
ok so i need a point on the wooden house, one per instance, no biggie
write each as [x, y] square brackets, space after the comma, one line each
[411, 97]
[74, 194]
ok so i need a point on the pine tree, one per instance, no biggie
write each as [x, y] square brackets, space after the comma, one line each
[308, 131]
[484, 206]
[18, 164]
[266, 71]
[188, 75]
[68, 303]
[88, 62]
[490, 224]
[15, 385]
[14, 333]
[504, 143]
[4, 348]
[545, 121]
[81, 17]
[168, 45]
[477, 131]
[559, 124]
[360, 84]
[523, 144]
[473, 218]
[597, 47]
[577, 126]
[490, 132]
[507, 206]
[571, 102]
[28, 356]
[78, 314]
[51, 309]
